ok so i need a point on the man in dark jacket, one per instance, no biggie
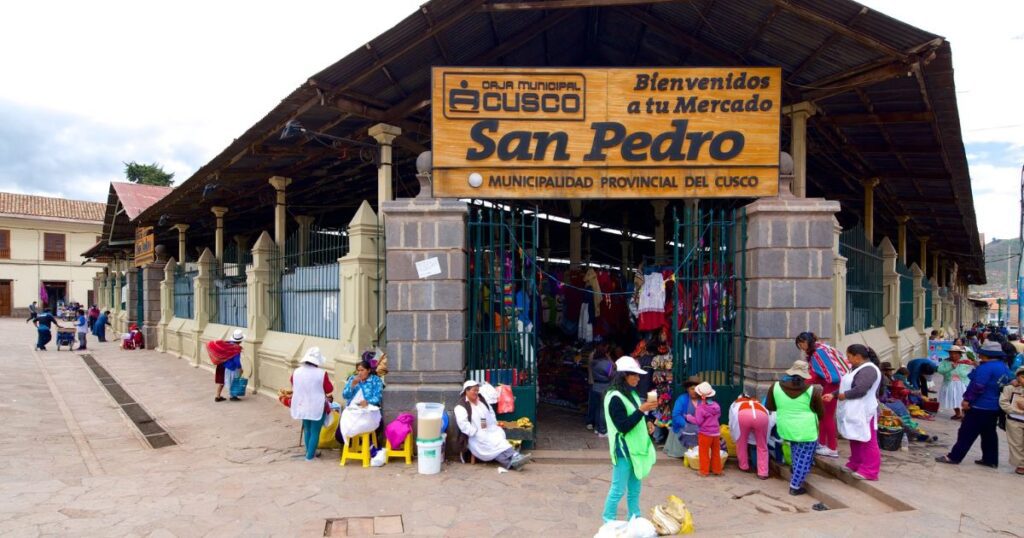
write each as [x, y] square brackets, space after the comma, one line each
[601, 371]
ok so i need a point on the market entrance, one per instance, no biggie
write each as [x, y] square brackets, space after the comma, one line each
[536, 319]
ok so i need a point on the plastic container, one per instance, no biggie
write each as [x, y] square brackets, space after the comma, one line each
[890, 439]
[429, 455]
[429, 419]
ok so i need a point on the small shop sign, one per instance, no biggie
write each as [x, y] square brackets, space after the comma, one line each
[606, 133]
[145, 252]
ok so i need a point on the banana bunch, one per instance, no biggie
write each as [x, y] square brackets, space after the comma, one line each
[524, 423]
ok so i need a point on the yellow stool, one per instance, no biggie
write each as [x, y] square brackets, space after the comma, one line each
[405, 452]
[358, 448]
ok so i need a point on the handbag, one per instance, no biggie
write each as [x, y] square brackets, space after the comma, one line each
[238, 386]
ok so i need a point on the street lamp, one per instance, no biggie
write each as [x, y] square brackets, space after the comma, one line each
[293, 128]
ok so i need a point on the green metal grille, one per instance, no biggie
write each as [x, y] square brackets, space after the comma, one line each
[709, 292]
[184, 291]
[929, 297]
[306, 290]
[229, 290]
[906, 296]
[864, 292]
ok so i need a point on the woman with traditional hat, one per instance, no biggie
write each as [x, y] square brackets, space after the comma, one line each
[955, 371]
[858, 410]
[226, 355]
[310, 387]
[827, 367]
[684, 434]
[798, 411]
[481, 433]
[981, 408]
[629, 439]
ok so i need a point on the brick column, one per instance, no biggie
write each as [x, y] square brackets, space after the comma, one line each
[891, 300]
[131, 280]
[425, 317]
[152, 299]
[789, 271]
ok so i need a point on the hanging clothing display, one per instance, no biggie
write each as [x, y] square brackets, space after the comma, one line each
[651, 308]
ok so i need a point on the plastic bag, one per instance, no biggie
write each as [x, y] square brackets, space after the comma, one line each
[613, 529]
[327, 440]
[379, 458]
[730, 444]
[506, 401]
[641, 527]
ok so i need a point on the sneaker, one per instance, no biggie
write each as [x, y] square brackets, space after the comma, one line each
[857, 475]
[827, 452]
[235, 399]
[590, 426]
[797, 491]
[219, 399]
[518, 461]
[602, 435]
[983, 464]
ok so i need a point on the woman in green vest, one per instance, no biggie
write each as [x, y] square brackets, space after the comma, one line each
[798, 411]
[629, 438]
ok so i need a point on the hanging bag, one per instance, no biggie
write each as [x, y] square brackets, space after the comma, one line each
[506, 401]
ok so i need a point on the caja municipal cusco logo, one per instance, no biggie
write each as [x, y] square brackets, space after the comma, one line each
[511, 95]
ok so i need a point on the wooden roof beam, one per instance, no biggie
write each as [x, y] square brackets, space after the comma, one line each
[842, 29]
[909, 149]
[671, 34]
[760, 30]
[437, 38]
[565, 4]
[873, 119]
[829, 41]
[844, 82]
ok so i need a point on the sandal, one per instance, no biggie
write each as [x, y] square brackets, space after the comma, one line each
[219, 399]
[1020, 470]
[945, 459]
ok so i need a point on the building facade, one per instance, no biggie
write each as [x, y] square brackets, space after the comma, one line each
[41, 241]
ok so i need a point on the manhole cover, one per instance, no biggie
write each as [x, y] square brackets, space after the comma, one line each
[364, 526]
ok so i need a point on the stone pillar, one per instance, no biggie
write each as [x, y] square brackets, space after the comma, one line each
[305, 225]
[798, 115]
[116, 321]
[919, 301]
[259, 279]
[166, 303]
[891, 300]
[901, 238]
[152, 301]
[869, 209]
[360, 281]
[103, 295]
[130, 301]
[182, 253]
[218, 241]
[838, 285]
[202, 309]
[575, 233]
[241, 246]
[426, 317]
[280, 215]
[384, 134]
[659, 228]
[789, 267]
[924, 254]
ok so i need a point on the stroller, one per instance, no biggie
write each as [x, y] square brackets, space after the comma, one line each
[66, 337]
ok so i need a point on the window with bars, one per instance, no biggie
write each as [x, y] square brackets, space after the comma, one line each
[5, 244]
[54, 247]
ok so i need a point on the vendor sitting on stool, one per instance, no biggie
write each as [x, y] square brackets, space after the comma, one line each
[481, 433]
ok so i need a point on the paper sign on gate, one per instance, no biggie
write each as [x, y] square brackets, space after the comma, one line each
[428, 267]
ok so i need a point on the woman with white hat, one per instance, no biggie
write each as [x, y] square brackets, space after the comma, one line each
[226, 355]
[629, 438]
[481, 433]
[955, 371]
[310, 387]
[798, 411]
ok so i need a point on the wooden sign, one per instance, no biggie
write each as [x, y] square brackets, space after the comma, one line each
[606, 133]
[145, 247]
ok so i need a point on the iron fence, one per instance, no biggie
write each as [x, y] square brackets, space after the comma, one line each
[184, 291]
[929, 297]
[864, 290]
[229, 292]
[906, 296]
[306, 290]
[710, 290]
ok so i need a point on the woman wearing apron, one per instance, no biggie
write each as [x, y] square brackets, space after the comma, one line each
[857, 414]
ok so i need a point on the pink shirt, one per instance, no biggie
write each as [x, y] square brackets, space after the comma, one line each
[706, 418]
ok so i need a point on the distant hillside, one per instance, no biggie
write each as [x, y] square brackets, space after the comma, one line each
[996, 254]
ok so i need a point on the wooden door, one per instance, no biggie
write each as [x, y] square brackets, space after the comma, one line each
[5, 298]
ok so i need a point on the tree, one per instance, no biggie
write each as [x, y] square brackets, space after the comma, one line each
[148, 174]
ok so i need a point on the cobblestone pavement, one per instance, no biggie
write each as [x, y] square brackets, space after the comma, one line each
[72, 464]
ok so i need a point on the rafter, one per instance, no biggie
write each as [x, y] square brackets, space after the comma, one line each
[829, 41]
[760, 30]
[887, 117]
[566, 4]
[672, 34]
[436, 37]
[841, 28]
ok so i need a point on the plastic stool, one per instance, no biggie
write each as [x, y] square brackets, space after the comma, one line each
[406, 450]
[358, 448]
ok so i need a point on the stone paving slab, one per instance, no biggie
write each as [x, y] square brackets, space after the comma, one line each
[237, 471]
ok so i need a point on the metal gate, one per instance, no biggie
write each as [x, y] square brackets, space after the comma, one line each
[501, 341]
[710, 292]
[140, 296]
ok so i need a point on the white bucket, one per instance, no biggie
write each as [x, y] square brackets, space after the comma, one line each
[428, 420]
[429, 455]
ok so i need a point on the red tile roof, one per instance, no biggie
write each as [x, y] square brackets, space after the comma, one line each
[136, 198]
[42, 206]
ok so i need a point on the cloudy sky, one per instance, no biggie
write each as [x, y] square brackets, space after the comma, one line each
[87, 85]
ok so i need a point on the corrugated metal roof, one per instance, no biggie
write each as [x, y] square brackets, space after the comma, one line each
[856, 38]
[136, 198]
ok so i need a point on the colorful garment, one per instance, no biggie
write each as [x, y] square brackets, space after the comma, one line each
[373, 389]
[828, 366]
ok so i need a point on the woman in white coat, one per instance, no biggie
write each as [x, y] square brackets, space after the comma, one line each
[857, 414]
[481, 433]
[310, 387]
